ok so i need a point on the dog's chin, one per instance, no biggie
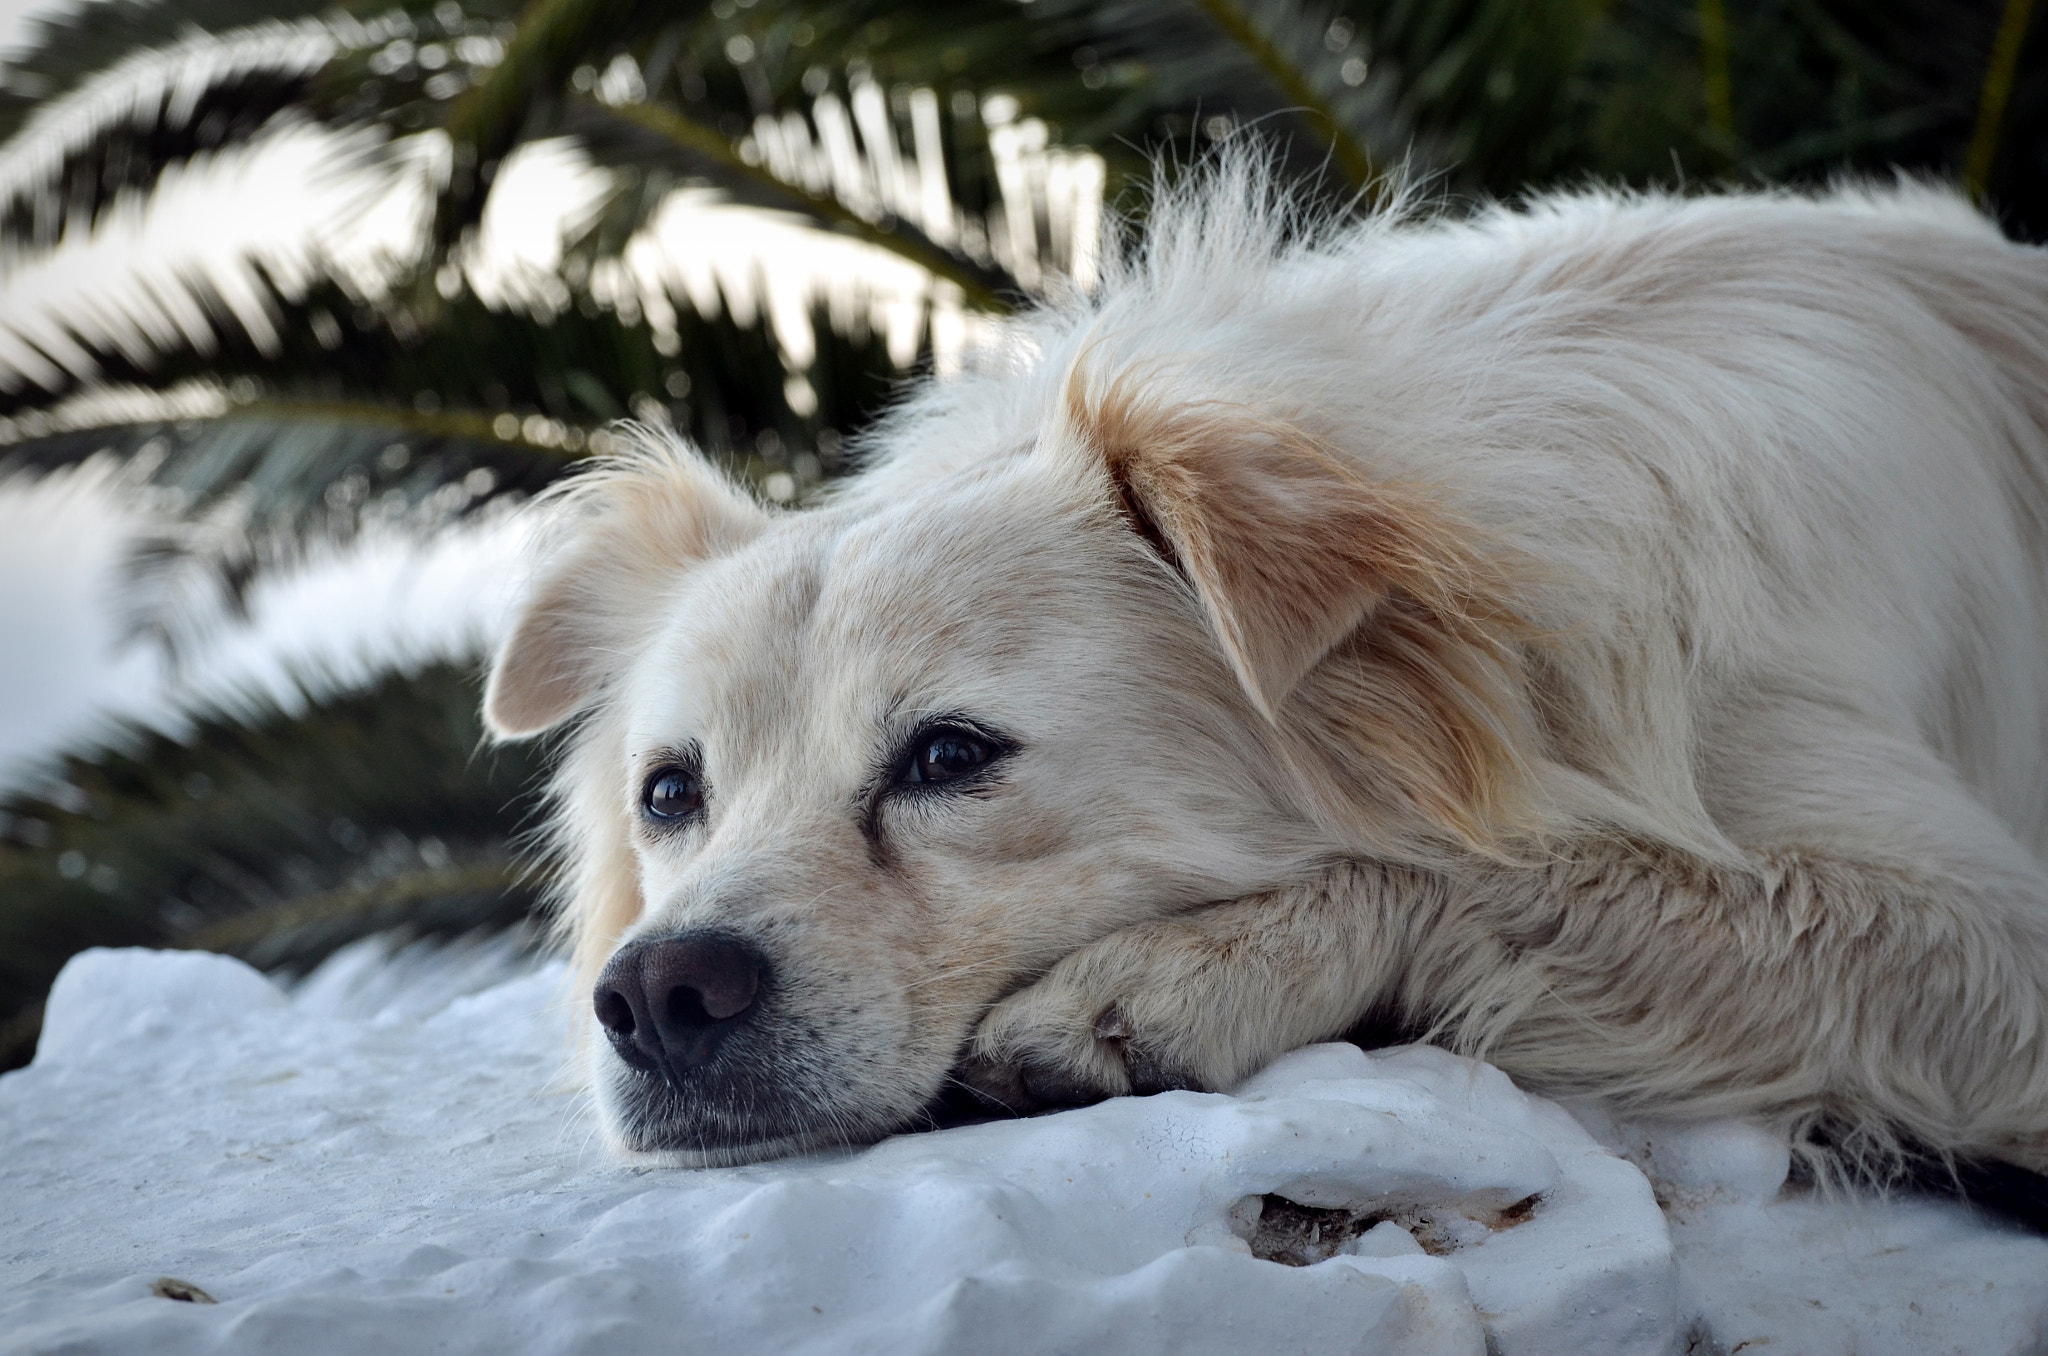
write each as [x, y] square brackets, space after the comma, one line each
[680, 1144]
[649, 1122]
[651, 1153]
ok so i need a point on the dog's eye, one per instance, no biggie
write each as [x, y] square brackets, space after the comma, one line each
[673, 793]
[942, 755]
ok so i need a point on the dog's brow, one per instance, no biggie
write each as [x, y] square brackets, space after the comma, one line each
[689, 754]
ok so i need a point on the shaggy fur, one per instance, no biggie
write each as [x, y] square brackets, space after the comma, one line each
[1610, 635]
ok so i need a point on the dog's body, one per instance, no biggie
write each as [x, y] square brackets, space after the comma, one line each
[1611, 637]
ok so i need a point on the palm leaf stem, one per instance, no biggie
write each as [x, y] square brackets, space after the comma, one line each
[1350, 153]
[1991, 99]
[484, 123]
[984, 288]
[472, 426]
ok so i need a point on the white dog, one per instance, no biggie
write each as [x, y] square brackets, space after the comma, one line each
[1610, 636]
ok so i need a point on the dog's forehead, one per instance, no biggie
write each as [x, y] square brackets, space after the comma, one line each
[730, 642]
[983, 562]
[837, 617]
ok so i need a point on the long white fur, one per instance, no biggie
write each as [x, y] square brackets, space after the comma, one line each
[1717, 521]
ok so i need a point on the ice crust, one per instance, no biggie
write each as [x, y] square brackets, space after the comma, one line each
[410, 1181]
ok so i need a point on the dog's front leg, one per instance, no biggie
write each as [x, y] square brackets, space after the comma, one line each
[1202, 999]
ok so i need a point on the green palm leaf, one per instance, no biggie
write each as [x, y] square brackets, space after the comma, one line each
[418, 416]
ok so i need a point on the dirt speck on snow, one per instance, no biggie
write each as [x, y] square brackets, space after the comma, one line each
[171, 1288]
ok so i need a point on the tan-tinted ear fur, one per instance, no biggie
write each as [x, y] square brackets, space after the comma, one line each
[622, 532]
[1362, 619]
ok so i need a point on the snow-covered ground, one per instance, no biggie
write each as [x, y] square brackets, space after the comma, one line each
[382, 1161]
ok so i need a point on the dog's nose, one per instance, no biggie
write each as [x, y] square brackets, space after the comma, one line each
[667, 1003]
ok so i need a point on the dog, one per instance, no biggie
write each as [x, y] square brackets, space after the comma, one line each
[1607, 634]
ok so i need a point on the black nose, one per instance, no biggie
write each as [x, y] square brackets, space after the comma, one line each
[667, 1003]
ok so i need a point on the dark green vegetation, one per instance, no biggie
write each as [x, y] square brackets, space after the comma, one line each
[279, 835]
[269, 835]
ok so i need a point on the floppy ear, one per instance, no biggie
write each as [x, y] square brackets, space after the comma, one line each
[619, 536]
[1290, 550]
[1304, 568]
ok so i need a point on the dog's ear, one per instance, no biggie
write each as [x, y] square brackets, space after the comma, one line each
[620, 535]
[1376, 610]
[1289, 550]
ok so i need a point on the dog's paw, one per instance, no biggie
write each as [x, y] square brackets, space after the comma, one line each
[1114, 1018]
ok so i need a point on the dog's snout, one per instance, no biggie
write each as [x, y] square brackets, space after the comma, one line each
[667, 1003]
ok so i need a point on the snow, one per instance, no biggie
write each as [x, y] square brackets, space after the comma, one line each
[357, 1167]
[1760, 1266]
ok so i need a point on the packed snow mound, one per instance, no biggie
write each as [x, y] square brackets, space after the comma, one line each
[198, 1162]
[342, 1185]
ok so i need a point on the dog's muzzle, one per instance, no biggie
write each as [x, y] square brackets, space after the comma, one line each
[716, 1059]
[668, 1004]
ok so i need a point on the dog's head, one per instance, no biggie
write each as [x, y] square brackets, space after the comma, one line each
[839, 779]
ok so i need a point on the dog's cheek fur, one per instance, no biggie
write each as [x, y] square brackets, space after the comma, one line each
[599, 894]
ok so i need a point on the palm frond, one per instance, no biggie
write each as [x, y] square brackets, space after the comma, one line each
[655, 140]
[667, 112]
[95, 132]
[66, 51]
[246, 493]
[739, 99]
[271, 834]
[1815, 88]
[551, 39]
[519, 390]
[419, 413]
[110, 95]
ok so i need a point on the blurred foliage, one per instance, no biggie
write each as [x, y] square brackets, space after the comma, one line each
[423, 414]
[273, 835]
[1488, 97]
[323, 405]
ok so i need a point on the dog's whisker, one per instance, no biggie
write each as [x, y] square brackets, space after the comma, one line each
[957, 972]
